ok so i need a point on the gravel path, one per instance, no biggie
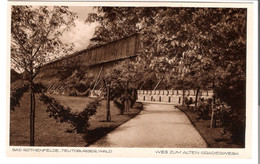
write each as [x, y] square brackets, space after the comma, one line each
[158, 125]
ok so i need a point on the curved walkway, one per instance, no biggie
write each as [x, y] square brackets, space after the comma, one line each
[157, 126]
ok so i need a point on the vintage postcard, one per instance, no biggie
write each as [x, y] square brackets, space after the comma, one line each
[130, 79]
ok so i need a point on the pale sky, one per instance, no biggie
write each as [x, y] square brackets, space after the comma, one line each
[81, 34]
[82, 11]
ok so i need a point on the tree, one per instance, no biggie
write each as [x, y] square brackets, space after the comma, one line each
[208, 43]
[124, 79]
[165, 33]
[35, 39]
[223, 42]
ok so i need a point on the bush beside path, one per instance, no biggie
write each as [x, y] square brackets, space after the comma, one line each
[213, 136]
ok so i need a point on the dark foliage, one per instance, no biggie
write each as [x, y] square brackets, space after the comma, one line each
[120, 105]
[39, 88]
[233, 124]
[16, 96]
[19, 88]
[188, 102]
[78, 83]
[203, 109]
[79, 121]
[56, 110]
[133, 97]
[15, 76]
[138, 105]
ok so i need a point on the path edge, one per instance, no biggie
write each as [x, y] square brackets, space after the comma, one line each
[116, 128]
[208, 145]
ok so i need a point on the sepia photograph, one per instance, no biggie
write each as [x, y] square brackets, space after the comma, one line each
[104, 76]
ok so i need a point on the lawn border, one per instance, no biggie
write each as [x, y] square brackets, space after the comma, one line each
[193, 124]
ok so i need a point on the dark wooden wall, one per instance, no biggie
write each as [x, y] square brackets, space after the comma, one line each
[94, 58]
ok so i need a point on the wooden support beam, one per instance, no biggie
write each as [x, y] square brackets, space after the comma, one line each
[157, 84]
[97, 80]
[143, 85]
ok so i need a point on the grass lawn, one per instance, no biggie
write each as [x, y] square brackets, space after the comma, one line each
[211, 135]
[48, 132]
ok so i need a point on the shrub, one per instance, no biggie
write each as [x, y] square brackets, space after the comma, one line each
[203, 109]
[120, 106]
[188, 102]
[16, 95]
[19, 88]
[80, 121]
[133, 96]
[138, 105]
[233, 125]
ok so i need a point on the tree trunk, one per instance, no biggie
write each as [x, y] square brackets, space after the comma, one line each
[32, 106]
[123, 108]
[213, 120]
[196, 99]
[183, 96]
[108, 104]
[32, 116]
[127, 98]
[134, 97]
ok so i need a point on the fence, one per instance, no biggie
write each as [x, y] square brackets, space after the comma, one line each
[171, 96]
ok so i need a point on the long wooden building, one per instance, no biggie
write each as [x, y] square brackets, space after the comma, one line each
[97, 60]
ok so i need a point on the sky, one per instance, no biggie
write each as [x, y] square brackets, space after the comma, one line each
[81, 34]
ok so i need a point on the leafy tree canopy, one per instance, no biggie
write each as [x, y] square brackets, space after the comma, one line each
[35, 35]
[201, 47]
